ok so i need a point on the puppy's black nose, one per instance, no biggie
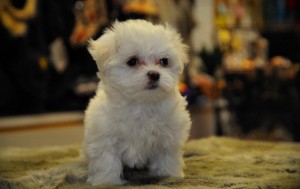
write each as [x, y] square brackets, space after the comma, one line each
[153, 75]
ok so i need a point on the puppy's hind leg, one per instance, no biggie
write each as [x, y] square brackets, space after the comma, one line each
[105, 169]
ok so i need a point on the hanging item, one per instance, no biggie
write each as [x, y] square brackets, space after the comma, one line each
[14, 19]
[58, 55]
[90, 15]
[204, 30]
[145, 7]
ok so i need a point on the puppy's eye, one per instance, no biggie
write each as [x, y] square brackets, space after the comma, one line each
[164, 62]
[133, 62]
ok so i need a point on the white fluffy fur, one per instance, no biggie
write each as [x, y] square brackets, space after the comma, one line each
[127, 124]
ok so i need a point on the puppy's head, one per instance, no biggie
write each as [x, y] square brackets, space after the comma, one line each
[139, 60]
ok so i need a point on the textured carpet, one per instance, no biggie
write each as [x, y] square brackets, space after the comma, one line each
[210, 163]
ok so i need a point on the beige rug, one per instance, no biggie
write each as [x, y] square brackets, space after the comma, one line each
[210, 163]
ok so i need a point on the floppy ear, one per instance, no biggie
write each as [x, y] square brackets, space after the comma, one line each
[183, 53]
[181, 48]
[102, 48]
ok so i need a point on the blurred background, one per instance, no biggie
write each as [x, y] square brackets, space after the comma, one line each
[242, 79]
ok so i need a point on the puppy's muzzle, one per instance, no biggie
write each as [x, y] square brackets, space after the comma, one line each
[153, 79]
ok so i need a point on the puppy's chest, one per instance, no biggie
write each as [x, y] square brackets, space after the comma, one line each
[144, 118]
[137, 124]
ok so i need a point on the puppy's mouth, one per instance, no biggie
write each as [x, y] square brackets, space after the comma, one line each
[151, 85]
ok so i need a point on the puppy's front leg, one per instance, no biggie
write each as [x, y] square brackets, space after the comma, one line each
[167, 163]
[105, 169]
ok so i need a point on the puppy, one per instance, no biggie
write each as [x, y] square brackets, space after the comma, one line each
[138, 117]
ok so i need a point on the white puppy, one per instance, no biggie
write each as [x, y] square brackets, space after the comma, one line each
[138, 117]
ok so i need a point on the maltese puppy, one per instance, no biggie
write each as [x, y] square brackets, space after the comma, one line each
[137, 118]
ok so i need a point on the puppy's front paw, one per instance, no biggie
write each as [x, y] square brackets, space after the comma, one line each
[170, 165]
[99, 180]
[165, 172]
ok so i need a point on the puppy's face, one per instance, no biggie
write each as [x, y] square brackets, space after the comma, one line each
[139, 60]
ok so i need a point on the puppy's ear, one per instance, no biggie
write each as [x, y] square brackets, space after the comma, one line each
[181, 48]
[183, 53]
[102, 49]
